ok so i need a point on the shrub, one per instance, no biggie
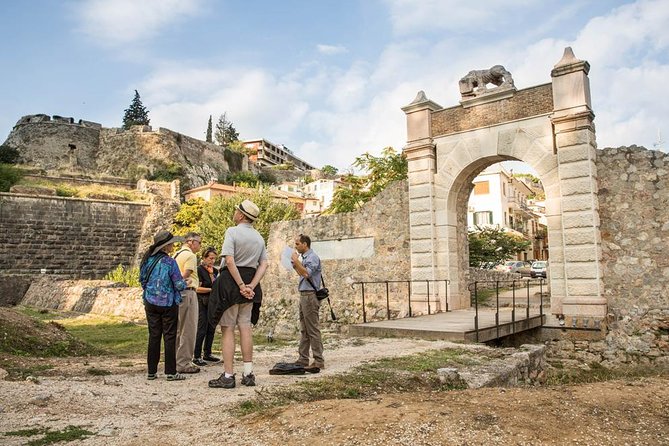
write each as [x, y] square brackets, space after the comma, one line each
[9, 176]
[127, 275]
[8, 155]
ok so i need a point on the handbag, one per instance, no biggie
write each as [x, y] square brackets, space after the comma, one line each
[321, 294]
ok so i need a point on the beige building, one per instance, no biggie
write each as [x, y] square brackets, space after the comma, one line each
[265, 153]
[307, 206]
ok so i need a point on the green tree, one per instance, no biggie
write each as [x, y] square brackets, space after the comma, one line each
[492, 244]
[209, 131]
[238, 146]
[188, 216]
[243, 178]
[329, 170]
[217, 215]
[225, 131]
[136, 114]
[380, 172]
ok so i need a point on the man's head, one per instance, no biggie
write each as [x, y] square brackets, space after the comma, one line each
[193, 241]
[302, 243]
[246, 211]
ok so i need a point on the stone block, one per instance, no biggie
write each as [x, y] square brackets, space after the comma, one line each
[420, 218]
[546, 164]
[420, 191]
[422, 177]
[420, 205]
[579, 220]
[573, 186]
[574, 138]
[582, 270]
[420, 165]
[583, 287]
[578, 169]
[576, 153]
[583, 202]
[580, 236]
[581, 253]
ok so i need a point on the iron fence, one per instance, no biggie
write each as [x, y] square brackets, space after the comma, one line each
[408, 295]
[475, 294]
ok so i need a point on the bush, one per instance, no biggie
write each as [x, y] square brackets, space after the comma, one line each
[129, 275]
[8, 155]
[243, 178]
[9, 176]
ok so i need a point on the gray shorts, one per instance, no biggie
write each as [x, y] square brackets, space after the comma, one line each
[239, 314]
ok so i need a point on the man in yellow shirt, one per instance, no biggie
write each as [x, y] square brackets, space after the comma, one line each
[188, 311]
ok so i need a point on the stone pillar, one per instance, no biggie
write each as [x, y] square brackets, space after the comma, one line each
[575, 251]
[421, 157]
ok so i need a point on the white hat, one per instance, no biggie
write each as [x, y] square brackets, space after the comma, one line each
[249, 209]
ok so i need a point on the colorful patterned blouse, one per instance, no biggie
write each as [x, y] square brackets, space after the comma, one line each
[162, 287]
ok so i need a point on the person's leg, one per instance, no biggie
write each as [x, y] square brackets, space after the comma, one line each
[209, 340]
[303, 347]
[228, 349]
[154, 322]
[202, 329]
[311, 324]
[187, 331]
[170, 323]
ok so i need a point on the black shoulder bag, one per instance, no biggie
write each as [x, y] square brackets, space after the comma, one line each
[321, 294]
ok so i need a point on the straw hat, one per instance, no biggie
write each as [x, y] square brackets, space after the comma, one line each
[249, 209]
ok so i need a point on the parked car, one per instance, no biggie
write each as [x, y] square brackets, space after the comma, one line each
[539, 268]
[513, 266]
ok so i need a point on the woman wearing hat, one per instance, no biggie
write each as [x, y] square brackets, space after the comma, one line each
[162, 282]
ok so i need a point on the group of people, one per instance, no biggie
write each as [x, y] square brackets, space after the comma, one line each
[185, 302]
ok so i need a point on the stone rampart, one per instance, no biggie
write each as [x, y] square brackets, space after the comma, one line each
[367, 245]
[61, 144]
[67, 237]
[86, 296]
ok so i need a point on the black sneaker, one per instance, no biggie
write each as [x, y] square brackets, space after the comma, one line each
[199, 362]
[222, 382]
[210, 358]
[249, 380]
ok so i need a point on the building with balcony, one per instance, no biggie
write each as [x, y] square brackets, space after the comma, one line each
[266, 154]
[500, 200]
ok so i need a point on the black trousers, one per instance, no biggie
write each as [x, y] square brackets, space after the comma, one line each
[205, 331]
[162, 325]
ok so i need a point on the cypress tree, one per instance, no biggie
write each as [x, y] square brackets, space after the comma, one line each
[209, 131]
[136, 114]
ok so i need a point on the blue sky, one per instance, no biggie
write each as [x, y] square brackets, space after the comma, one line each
[324, 78]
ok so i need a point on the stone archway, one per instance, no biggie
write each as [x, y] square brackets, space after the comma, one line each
[549, 127]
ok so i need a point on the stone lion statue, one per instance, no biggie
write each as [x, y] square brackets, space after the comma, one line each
[474, 83]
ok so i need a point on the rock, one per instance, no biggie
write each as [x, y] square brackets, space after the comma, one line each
[3, 374]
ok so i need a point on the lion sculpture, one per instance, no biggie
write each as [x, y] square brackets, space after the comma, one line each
[474, 83]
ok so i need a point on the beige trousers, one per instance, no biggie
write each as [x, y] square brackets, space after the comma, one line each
[310, 332]
[186, 329]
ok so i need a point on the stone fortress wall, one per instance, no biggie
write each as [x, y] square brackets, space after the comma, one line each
[54, 143]
[370, 244]
[64, 238]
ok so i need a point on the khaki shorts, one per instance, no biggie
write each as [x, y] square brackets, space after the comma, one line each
[239, 314]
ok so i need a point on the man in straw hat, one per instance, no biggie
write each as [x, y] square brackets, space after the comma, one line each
[236, 290]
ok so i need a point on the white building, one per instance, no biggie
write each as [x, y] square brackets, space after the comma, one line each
[323, 190]
[499, 200]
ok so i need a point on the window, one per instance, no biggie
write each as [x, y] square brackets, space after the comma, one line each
[482, 188]
[482, 218]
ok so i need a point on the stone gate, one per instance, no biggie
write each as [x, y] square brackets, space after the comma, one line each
[550, 127]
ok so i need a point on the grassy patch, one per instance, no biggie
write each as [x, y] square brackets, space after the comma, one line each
[67, 434]
[98, 372]
[595, 372]
[408, 373]
[19, 371]
[113, 335]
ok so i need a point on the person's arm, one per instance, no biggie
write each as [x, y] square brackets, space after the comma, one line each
[234, 273]
[175, 275]
[298, 267]
[260, 272]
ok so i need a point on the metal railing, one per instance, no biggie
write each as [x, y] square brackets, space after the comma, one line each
[409, 283]
[524, 284]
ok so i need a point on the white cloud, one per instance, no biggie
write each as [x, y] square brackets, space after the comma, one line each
[331, 49]
[118, 22]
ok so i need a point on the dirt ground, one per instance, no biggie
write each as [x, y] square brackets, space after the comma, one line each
[126, 409]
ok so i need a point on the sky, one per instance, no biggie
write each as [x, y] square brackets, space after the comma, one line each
[325, 78]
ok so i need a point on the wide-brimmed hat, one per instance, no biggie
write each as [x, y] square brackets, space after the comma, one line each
[249, 209]
[164, 238]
